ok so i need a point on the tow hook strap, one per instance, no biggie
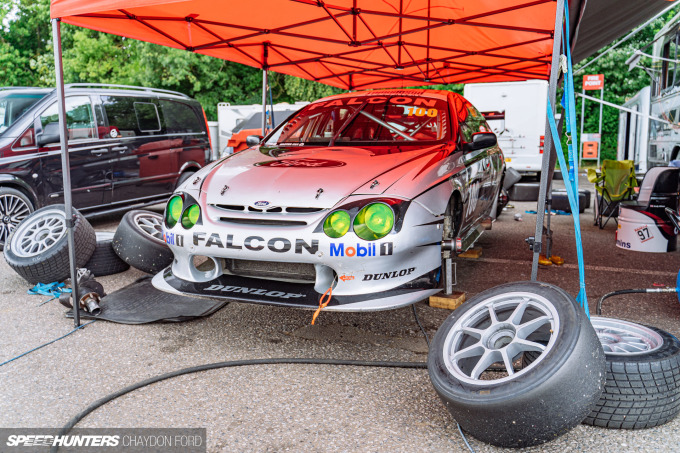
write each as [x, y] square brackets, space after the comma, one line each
[327, 295]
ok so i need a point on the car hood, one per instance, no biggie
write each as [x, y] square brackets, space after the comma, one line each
[309, 177]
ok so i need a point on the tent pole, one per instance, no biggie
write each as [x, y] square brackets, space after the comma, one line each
[65, 165]
[264, 102]
[549, 147]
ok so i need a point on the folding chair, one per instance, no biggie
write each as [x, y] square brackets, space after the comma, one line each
[615, 184]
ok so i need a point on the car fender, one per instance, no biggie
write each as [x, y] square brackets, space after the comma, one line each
[8, 180]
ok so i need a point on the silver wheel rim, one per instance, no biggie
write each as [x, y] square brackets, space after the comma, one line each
[498, 331]
[13, 210]
[150, 224]
[620, 337]
[39, 233]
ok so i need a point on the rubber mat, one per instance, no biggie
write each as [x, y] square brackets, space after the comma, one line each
[140, 303]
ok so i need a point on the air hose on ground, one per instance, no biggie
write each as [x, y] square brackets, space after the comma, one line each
[632, 291]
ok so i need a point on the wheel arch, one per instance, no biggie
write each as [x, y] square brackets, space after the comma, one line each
[13, 182]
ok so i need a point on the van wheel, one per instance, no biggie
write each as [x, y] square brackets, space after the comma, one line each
[38, 248]
[14, 207]
[139, 241]
[474, 357]
[643, 376]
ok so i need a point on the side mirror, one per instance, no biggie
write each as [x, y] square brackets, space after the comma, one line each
[481, 140]
[50, 134]
[253, 140]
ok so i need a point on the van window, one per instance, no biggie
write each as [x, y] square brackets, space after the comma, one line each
[147, 117]
[79, 118]
[131, 117]
[181, 118]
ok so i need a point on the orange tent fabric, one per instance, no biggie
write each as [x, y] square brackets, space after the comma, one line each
[350, 44]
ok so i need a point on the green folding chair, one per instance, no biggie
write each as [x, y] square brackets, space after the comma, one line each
[615, 183]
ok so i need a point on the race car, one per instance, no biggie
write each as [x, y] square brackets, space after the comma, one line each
[355, 198]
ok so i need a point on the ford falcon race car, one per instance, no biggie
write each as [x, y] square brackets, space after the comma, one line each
[353, 197]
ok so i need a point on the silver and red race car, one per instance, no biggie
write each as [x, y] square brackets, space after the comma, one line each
[352, 197]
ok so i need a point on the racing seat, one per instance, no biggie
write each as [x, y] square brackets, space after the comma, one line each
[615, 184]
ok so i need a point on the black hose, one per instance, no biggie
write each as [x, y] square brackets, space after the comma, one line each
[616, 293]
[234, 363]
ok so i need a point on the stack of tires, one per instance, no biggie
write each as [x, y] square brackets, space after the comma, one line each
[521, 364]
[37, 249]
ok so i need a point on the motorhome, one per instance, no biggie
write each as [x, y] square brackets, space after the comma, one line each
[633, 137]
[516, 111]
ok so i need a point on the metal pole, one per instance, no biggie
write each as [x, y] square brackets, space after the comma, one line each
[599, 128]
[264, 102]
[65, 165]
[548, 142]
[583, 112]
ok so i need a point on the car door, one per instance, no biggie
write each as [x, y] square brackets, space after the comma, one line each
[89, 156]
[143, 164]
[478, 167]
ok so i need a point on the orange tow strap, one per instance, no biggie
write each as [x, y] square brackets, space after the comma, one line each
[322, 304]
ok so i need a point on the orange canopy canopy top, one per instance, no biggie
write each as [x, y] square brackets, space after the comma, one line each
[350, 44]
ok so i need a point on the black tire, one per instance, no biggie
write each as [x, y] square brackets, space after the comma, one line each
[184, 176]
[104, 260]
[642, 390]
[48, 262]
[14, 207]
[533, 405]
[139, 242]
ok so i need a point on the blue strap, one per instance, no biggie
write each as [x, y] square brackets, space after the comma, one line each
[53, 289]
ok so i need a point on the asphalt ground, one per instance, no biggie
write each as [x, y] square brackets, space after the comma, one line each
[308, 408]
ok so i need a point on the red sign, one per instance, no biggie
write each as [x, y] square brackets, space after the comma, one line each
[593, 82]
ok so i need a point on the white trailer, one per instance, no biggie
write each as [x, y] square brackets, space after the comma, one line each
[633, 137]
[520, 133]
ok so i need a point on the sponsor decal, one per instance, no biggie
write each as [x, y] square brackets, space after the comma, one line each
[387, 275]
[254, 291]
[473, 198]
[301, 163]
[114, 132]
[173, 239]
[345, 278]
[620, 243]
[255, 243]
[643, 233]
[260, 204]
[399, 100]
[361, 251]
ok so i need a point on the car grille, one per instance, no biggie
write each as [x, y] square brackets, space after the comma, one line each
[268, 210]
[272, 269]
[263, 221]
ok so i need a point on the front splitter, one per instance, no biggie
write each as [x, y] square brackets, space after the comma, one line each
[287, 294]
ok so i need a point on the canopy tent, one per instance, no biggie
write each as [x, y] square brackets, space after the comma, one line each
[357, 44]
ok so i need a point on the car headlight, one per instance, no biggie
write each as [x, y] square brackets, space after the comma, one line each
[337, 224]
[190, 216]
[374, 221]
[173, 211]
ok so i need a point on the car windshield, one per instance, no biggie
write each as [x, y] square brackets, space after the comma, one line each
[13, 104]
[365, 121]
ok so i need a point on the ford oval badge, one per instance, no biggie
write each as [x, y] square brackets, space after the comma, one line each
[260, 204]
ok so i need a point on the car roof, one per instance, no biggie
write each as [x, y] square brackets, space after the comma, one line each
[101, 88]
[438, 94]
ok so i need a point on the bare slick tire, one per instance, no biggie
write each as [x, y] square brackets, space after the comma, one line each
[38, 247]
[139, 241]
[104, 260]
[474, 359]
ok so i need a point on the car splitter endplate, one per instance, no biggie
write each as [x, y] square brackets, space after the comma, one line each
[299, 295]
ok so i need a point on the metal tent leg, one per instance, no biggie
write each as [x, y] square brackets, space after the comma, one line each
[65, 164]
[546, 171]
[264, 102]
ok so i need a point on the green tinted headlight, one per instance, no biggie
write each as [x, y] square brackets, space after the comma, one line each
[190, 216]
[173, 211]
[374, 221]
[337, 224]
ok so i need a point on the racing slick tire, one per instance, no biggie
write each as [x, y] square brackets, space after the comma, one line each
[511, 407]
[104, 260]
[642, 389]
[139, 241]
[38, 248]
